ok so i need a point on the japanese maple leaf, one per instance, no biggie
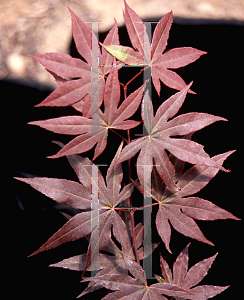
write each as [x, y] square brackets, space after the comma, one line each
[81, 196]
[114, 261]
[136, 288]
[110, 264]
[94, 131]
[160, 138]
[188, 279]
[88, 76]
[179, 209]
[146, 55]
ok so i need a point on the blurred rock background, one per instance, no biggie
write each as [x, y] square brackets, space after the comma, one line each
[29, 27]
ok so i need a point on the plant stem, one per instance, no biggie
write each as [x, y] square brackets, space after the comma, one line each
[147, 206]
[126, 85]
[134, 235]
[119, 135]
[134, 209]
[129, 173]
[130, 200]
[129, 170]
[131, 205]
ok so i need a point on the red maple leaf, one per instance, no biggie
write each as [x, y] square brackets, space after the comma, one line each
[95, 131]
[179, 209]
[136, 288]
[188, 279]
[159, 139]
[90, 75]
[113, 263]
[80, 196]
[153, 56]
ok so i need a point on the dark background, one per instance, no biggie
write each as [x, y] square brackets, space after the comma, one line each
[31, 218]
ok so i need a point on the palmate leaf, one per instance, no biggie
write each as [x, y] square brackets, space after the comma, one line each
[93, 131]
[80, 195]
[153, 56]
[110, 264]
[86, 75]
[178, 209]
[159, 139]
[114, 261]
[188, 279]
[136, 288]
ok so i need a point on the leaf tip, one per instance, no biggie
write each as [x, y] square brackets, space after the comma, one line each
[32, 123]
[223, 119]
[175, 187]
[52, 156]
[32, 254]
[18, 178]
[83, 273]
[214, 256]
[188, 245]
[187, 87]
[52, 265]
[168, 248]
[70, 10]
[41, 104]
[32, 56]
[58, 143]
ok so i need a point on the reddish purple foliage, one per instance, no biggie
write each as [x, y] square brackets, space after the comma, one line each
[171, 189]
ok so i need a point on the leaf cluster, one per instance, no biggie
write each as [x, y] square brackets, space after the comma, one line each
[106, 212]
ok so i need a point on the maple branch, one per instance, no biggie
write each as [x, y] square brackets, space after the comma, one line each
[126, 85]
[120, 83]
[131, 208]
[131, 205]
[119, 135]
[146, 206]
[129, 172]
[134, 234]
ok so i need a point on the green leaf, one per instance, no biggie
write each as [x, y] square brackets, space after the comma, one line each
[125, 54]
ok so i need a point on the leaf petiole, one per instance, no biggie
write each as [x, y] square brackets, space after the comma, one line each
[119, 135]
[126, 85]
